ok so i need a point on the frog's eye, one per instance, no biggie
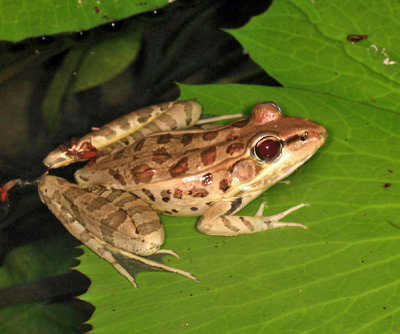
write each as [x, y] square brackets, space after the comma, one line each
[267, 149]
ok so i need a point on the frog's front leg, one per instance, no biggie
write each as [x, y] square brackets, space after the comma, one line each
[219, 218]
[108, 221]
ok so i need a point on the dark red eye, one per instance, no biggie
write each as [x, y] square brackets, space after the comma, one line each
[268, 149]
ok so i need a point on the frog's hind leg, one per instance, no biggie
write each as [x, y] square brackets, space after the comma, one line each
[147, 221]
[101, 249]
[110, 222]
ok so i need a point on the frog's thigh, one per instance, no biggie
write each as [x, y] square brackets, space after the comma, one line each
[134, 227]
[116, 218]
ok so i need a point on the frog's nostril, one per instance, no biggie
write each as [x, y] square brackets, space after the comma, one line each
[304, 136]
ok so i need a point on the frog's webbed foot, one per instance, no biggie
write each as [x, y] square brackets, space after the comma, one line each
[132, 264]
[274, 221]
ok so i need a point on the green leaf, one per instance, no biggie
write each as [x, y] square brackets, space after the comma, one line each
[312, 280]
[107, 57]
[340, 275]
[86, 66]
[22, 19]
[54, 318]
[43, 261]
[28, 264]
[303, 44]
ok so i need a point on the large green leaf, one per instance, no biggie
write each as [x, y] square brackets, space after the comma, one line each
[340, 275]
[22, 19]
[303, 44]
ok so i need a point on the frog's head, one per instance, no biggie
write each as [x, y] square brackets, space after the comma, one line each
[279, 146]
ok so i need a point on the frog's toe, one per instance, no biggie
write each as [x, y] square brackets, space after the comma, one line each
[168, 252]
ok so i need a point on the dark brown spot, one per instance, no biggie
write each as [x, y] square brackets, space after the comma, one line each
[188, 109]
[235, 205]
[209, 203]
[168, 212]
[390, 171]
[235, 147]
[142, 174]
[208, 156]
[188, 121]
[199, 193]
[178, 193]
[141, 209]
[106, 132]
[206, 179]
[110, 224]
[114, 220]
[122, 202]
[148, 228]
[96, 203]
[187, 139]
[231, 136]
[110, 195]
[228, 224]
[241, 123]
[224, 185]
[164, 139]
[168, 120]
[356, 38]
[144, 118]
[117, 176]
[153, 127]
[73, 192]
[166, 195]
[123, 123]
[193, 208]
[149, 194]
[210, 135]
[180, 168]
[139, 144]
[247, 224]
[175, 211]
[387, 185]
[83, 178]
[100, 191]
[160, 156]
[293, 139]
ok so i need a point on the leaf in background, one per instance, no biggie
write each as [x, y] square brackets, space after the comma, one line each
[43, 318]
[24, 19]
[60, 86]
[108, 57]
[39, 253]
[303, 44]
[27, 265]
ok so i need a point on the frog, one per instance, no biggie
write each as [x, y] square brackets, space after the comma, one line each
[158, 160]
